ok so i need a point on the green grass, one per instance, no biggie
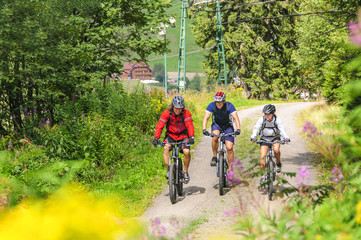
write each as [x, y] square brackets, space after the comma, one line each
[191, 227]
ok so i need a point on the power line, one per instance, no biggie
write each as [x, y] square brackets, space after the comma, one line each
[188, 53]
[296, 15]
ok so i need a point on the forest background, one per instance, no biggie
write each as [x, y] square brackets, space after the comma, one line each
[65, 118]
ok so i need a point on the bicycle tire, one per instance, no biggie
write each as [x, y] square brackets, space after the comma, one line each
[273, 171]
[225, 168]
[180, 178]
[270, 179]
[171, 182]
[221, 173]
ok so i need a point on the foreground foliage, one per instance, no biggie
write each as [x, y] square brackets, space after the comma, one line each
[337, 216]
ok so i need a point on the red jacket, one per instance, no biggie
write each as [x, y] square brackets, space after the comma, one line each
[176, 128]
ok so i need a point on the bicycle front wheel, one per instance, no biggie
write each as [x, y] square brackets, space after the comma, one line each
[180, 178]
[270, 174]
[222, 179]
[171, 182]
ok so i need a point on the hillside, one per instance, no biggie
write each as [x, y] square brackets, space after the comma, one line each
[194, 54]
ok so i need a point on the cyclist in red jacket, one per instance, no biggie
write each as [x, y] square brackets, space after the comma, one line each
[179, 124]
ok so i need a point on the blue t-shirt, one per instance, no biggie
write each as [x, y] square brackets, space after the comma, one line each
[212, 106]
[221, 117]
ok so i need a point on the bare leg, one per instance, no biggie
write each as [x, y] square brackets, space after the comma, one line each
[230, 154]
[215, 143]
[166, 155]
[187, 159]
[263, 151]
[277, 152]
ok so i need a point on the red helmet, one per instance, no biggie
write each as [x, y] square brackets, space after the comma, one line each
[219, 97]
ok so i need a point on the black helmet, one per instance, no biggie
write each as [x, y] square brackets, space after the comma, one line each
[178, 102]
[219, 97]
[269, 109]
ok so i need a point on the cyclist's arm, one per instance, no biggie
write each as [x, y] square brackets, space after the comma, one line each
[207, 114]
[236, 120]
[189, 123]
[205, 119]
[282, 129]
[256, 128]
[161, 123]
[234, 115]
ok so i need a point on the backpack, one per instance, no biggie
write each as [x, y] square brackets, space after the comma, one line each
[231, 120]
[264, 125]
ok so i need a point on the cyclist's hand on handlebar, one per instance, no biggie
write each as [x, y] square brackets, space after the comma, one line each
[206, 133]
[190, 141]
[237, 132]
[253, 139]
[155, 142]
[287, 140]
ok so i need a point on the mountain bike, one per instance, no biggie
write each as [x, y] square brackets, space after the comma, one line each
[270, 176]
[222, 162]
[176, 175]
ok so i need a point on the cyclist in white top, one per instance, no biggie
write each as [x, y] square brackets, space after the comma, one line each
[270, 128]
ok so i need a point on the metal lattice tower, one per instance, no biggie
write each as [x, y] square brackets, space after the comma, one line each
[222, 72]
[181, 83]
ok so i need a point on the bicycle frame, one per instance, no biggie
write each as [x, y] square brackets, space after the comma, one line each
[176, 159]
[176, 177]
[222, 163]
[270, 176]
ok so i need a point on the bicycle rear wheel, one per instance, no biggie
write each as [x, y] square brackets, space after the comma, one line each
[222, 180]
[171, 182]
[180, 178]
[270, 177]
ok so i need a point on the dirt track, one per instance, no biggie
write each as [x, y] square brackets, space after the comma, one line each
[202, 200]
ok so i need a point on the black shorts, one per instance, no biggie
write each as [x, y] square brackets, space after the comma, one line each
[265, 144]
[168, 139]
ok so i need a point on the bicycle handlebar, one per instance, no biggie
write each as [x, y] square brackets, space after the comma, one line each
[162, 144]
[233, 134]
[269, 142]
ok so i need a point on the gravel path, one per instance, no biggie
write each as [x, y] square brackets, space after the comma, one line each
[202, 202]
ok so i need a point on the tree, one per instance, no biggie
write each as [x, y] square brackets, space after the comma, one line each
[158, 72]
[323, 48]
[195, 84]
[260, 49]
[51, 51]
[279, 47]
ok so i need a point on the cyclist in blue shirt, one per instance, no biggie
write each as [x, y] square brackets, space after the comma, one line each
[223, 112]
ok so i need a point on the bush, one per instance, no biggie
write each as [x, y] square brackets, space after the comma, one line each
[90, 140]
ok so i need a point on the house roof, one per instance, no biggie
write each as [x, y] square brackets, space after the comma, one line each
[131, 65]
[128, 66]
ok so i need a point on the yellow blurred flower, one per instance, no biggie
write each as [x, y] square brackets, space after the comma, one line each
[68, 214]
[358, 213]
[317, 237]
[344, 236]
